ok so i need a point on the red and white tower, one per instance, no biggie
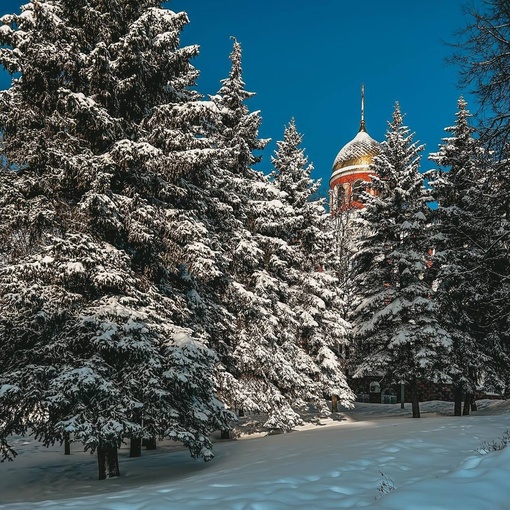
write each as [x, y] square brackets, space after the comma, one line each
[350, 175]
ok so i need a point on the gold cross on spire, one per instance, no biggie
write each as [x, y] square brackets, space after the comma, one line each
[362, 123]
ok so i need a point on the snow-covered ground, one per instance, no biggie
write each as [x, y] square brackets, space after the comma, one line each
[421, 464]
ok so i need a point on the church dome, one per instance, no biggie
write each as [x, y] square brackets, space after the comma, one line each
[358, 152]
[351, 174]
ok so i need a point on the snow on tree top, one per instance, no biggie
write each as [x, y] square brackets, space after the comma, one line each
[363, 145]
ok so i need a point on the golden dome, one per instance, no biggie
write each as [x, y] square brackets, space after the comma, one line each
[358, 152]
[351, 175]
[356, 156]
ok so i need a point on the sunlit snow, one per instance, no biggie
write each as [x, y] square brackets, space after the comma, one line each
[374, 455]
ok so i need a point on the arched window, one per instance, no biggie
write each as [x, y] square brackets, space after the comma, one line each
[358, 187]
[337, 200]
[340, 196]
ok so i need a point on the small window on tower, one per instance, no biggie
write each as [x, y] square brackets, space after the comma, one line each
[340, 196]
[358, 188]
[337, 198]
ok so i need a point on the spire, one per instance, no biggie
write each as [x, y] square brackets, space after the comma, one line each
[362, 123]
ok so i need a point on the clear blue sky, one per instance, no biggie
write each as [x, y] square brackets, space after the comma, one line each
[307, 60]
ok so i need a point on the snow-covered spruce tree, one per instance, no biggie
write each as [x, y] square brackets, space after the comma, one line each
[96, 129]
[469, 233]
[211, 208]
[493, 275]
[307, 266]
[263, 369]
[345, 229]
[396, 332]
[498, 254]
[294, 371]
[256, 371]
[220, 261]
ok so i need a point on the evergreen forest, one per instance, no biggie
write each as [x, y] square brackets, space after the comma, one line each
[156, 284]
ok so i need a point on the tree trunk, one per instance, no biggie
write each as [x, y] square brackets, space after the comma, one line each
[457, 396]
[67, 446]
[107, 462]
[135, 447]
[474, 407]
[467, 403]
[334, 403]
[415, 399]
[112, 459]
[225, 434]
[101, 463]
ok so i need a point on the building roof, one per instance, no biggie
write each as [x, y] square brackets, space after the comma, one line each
[357, 152]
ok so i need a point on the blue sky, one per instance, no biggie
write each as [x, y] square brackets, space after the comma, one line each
[308, 62]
